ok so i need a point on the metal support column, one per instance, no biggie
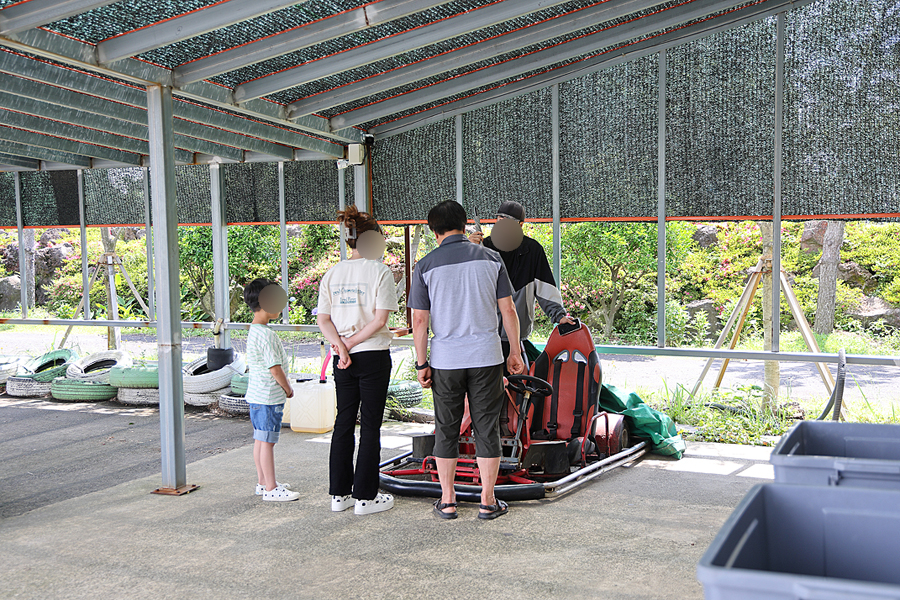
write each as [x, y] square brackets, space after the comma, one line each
[221, 278]
[459, 159]
[168, 330]
[361, 186]
[342, 204]
[82, 226]
[776, 208]
[557, 235]
[282, 221]
[661, 206]
[148, 231]
[20, 228]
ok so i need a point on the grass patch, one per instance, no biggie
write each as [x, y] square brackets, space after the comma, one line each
[727, 416]
[852, 343]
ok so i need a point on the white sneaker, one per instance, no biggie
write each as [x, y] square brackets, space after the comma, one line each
[280, 494]
[341, 503]
[260, 488]
[380, 503]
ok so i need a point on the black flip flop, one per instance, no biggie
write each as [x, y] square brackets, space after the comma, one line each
[439, 509]
[496, 510]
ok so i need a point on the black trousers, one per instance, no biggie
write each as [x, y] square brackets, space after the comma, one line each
[361, 390]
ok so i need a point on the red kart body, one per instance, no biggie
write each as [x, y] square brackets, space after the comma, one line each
[553, 435]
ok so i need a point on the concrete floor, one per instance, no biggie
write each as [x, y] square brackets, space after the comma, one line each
[633, 533]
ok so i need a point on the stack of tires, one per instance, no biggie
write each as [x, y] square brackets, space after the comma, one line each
[203, 387]
[35, 378]
[233, 401]
[136, 386]
[87, 379]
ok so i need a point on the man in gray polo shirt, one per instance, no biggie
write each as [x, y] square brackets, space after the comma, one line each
[459, 286]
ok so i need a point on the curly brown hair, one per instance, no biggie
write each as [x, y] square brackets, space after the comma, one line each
[357, 222]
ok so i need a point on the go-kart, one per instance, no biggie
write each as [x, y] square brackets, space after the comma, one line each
[554, 437]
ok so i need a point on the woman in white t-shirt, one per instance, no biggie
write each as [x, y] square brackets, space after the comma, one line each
[355, 298]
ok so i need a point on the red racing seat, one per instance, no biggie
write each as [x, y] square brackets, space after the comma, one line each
[570, 364]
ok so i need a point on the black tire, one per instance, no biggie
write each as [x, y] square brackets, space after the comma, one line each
[239, 383]
[75, 390]
[134, 377]
[47, 367]
[404, 394]
[234, 405]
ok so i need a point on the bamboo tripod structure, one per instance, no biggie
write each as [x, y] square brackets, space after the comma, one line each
[740, 312]
[109, 261]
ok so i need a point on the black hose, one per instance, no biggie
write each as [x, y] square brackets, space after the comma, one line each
[464, 493]
[837, 394]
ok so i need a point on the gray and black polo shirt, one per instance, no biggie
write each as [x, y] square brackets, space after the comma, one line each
[459, 283]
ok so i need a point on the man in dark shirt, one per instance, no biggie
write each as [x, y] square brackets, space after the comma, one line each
[528, 269]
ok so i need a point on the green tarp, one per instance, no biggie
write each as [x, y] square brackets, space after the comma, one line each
[642, 421]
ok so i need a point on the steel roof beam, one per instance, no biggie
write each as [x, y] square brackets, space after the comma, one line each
[106, 125]
[271, 140]
[19, 162]
[89, 136]
[69, 146]
[188, 25]
[537, 33]
[300, 37]
[44, 154]
[90, 111]
[391, 46]
[81, 55]
[28, 15]
[679, 37]
[536, 60]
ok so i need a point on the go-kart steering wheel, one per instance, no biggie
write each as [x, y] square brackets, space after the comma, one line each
[522, 384]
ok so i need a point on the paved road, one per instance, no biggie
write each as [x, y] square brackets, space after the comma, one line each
[53, 451]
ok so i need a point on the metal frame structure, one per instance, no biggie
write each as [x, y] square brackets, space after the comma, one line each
[72, 101]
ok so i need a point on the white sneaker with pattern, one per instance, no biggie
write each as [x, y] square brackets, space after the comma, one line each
[341, 503]
[379, 503]
[280, 494]
[260, 488]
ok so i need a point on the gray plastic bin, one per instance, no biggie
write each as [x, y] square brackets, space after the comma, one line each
[806, 542]
[845, 454]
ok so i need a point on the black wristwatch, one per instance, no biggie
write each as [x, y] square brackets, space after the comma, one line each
[421, 367]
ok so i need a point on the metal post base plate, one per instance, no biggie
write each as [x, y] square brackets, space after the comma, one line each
[179, 491]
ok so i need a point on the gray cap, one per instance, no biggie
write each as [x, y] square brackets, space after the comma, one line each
[512, 209]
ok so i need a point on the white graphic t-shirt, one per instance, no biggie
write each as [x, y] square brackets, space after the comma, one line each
[351, 292]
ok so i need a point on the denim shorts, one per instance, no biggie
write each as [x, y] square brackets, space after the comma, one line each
[266, 420]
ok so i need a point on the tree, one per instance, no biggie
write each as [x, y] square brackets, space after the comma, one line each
[605, 263]
[828, 269]
[772, 368]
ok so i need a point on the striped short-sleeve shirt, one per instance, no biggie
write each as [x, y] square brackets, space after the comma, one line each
[264, 351]
[460, 283]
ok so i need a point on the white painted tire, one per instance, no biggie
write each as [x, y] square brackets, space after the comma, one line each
[82, 368]
[233, 405]
[207, 382]
[26, 387]
[138, 396]
[205, 399]
[9, 365]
